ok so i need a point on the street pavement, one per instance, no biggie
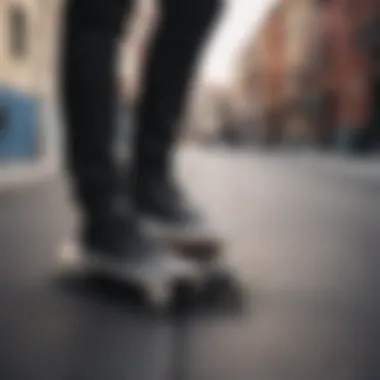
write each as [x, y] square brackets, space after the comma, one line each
[302, 234]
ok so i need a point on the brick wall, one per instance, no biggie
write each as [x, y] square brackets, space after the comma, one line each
[347, 70]
[273, 57]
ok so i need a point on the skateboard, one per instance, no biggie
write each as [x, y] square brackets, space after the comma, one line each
[158, 279]
[205, 251]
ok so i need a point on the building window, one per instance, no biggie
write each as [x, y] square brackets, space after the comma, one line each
[18, 33]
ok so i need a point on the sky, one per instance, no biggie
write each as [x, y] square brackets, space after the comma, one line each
[240, 19]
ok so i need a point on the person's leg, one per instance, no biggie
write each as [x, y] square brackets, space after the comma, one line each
[180, 36]
[89, 95]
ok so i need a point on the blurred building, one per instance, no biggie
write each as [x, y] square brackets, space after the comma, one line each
[301, 65]
[272, 52]
[247, 100]
[28, 41]
[279, 67]
[313, 70]
[346, 72]
[366, 32]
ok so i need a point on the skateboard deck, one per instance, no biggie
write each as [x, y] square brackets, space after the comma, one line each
[158, 279]
[199, 271]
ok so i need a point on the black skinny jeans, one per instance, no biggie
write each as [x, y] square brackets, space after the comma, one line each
[92, 29]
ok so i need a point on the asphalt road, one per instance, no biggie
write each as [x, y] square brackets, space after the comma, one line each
[301, 232]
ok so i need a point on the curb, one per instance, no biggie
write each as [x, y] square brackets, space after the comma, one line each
[22, 176]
